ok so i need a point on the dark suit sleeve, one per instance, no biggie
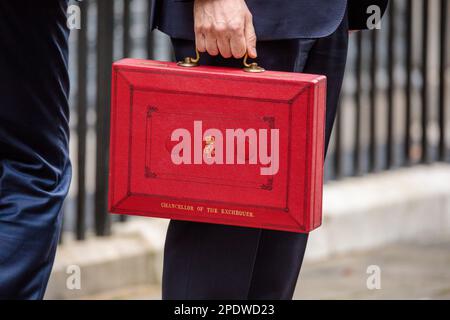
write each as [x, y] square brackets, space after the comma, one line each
[357, 12]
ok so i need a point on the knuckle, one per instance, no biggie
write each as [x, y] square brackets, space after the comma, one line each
[220, 28]
[207, 28]
[198, 29]
[251, 38]
[235, 27]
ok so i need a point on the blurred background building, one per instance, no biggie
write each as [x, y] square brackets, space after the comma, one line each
[387, 192]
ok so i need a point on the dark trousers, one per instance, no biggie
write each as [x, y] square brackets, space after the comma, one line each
[207, 261]
[34, 130]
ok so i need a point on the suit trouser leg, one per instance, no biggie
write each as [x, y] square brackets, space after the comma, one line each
[35, 169]
[207, 261]
[282, 251]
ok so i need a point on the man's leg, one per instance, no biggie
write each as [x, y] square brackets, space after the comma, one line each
[207, 261]
[34, 162]
[280, 254]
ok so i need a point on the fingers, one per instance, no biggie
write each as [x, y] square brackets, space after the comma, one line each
[211, 44]
[200, 42]
[250, 37]
[223, 43]
[205, 39]
[215, 42]
[238, 46]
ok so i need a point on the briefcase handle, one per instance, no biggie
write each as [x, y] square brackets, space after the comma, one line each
[193, 62]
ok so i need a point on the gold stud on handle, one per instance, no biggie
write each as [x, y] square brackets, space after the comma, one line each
[189, 61]
[252, 67]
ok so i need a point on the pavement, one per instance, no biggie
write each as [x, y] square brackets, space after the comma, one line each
[409, 270]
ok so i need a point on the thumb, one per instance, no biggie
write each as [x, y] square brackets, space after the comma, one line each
[250, 37]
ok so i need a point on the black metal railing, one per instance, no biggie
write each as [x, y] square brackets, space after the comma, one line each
[393, 111]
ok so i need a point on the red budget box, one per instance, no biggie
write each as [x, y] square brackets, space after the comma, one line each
[217, 145]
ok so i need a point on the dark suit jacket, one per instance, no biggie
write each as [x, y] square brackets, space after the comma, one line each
[273, 19]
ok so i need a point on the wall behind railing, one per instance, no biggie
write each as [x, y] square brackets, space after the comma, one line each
[394, 108]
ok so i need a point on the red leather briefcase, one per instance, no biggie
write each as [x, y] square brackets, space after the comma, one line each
[217, 145]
